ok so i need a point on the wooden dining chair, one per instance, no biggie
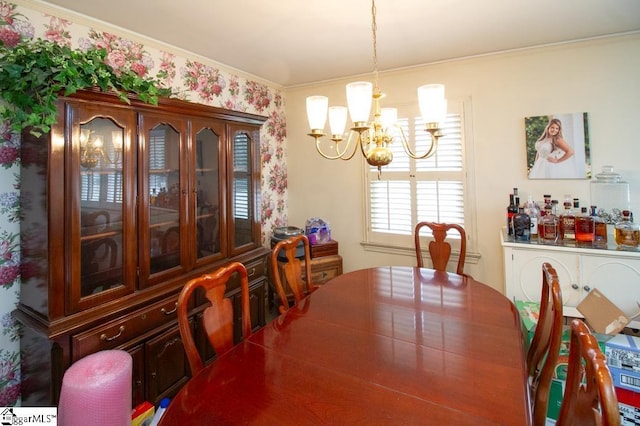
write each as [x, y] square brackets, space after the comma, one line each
[439, 248]
[544, 350]
[217, 319]
[292, 270]
[589, 394]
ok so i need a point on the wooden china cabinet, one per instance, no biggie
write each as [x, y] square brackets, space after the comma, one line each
[122, 204]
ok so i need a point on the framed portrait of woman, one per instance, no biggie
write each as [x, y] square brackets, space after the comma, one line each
[558, 146]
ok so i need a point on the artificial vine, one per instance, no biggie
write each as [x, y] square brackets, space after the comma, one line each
[35, 72]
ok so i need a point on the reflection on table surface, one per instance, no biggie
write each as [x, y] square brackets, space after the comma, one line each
[389, 345]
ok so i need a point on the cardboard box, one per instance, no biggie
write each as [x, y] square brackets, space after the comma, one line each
[625, 379]
[559, 378]
[529, 314]
[623, 351]
[629, 404]
[601, 314]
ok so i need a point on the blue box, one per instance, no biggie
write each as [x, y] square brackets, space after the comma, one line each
[625, 379]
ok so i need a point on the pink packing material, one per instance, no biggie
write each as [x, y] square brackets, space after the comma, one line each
[96, 390]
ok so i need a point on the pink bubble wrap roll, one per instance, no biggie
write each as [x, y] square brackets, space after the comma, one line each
[96, 390]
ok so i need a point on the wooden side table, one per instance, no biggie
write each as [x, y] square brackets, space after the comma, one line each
[322, 270]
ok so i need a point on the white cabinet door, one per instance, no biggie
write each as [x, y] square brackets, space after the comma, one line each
[617, 278]
[526, 274]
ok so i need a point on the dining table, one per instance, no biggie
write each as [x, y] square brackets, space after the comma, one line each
[383, 345]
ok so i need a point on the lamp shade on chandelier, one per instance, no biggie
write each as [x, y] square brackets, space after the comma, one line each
[373, 136]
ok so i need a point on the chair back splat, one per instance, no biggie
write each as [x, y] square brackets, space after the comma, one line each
[217, 319]
[439, 249]
[589, 395]
[544, 350]
[298, 280]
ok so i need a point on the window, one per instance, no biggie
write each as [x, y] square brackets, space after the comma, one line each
[241, 177]
[157, 161]
[409, 191]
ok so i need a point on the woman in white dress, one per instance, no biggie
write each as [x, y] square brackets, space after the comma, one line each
[552, 153]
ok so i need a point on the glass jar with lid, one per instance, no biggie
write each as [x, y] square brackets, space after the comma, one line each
[610, 194]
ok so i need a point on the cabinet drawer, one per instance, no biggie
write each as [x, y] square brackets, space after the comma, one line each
[256, 269]
[325, 268]
[321, 276]
[322, 270]
[122, 330]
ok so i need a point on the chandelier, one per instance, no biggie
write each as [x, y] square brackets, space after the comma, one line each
[91, 151]
[373, 137]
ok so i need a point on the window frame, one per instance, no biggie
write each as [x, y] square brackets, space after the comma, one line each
[404, 244]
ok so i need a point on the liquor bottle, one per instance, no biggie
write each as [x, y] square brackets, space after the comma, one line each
[626, 232]
[585, 230]
[568, 221]
[512, 209]
[517, 202]
[547, 202]
[531, 208]
[548, 227]
[599, 229]
[521, 225]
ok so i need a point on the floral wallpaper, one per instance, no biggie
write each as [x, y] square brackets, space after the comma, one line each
[191, 80]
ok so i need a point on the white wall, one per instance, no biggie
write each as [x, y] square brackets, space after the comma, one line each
[601, 77]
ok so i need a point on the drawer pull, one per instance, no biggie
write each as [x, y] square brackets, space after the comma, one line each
[175, 308]
[586, 288]
[575, 286]
[251, 272]
[105, 338]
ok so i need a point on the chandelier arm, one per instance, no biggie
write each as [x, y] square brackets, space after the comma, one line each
[405, 144]
[339, 155]
[354, 147]
[362, 143]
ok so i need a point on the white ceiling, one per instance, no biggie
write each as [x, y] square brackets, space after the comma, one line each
[293, 42]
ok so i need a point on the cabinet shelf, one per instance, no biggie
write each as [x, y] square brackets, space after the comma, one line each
[100, 235]
[106, 171]
[163, 171]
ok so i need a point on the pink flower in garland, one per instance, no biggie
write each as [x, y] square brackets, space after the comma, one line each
[122, 55]
[139, 69]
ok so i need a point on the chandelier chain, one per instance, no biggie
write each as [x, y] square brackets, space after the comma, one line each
[374, 30]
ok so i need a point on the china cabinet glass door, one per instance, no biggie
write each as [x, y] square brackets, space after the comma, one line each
[210, 242]
[102, 212]
[242, 176]
[164, 183]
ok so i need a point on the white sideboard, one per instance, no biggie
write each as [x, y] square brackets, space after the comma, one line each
[615, 273]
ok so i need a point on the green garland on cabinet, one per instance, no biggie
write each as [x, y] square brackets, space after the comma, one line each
[35, 72]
